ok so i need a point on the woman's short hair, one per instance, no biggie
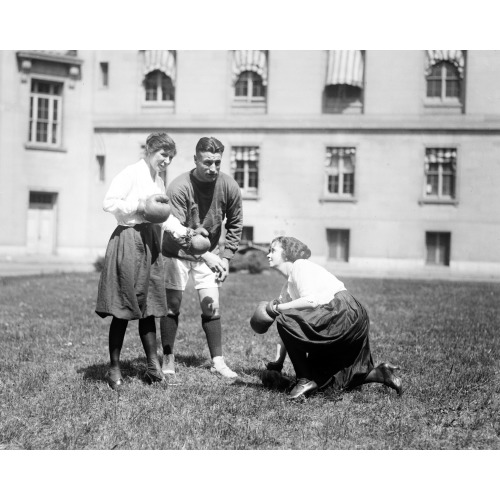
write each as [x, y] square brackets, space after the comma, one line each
[209, 145]
[160, 140]
[293, 248]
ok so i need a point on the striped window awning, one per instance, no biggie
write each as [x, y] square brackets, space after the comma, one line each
[455, 57]
[250, 60]
[345, 67]
[441, 156]
[162, 60]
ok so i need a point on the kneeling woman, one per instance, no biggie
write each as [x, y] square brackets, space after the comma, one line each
[322, 326]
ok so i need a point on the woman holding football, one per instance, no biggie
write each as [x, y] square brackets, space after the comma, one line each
[322, 326]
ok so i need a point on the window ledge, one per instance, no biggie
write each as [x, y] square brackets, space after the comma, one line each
[43, 147]
[254, 197]
[443, 105]
[342, 199]
[249, 106]
[166, 105]
[437, 201]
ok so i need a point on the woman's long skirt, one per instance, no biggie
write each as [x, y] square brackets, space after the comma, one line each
[132, 280]
[335, 338]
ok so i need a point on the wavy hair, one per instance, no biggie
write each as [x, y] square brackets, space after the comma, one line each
[160, 140]
[293, 248]
[209, 145]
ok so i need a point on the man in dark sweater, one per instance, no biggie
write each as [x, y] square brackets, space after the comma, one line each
[201, 199]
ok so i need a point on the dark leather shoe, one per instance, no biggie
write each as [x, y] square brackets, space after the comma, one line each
[391, 380]
[114, 380]
[303, 387]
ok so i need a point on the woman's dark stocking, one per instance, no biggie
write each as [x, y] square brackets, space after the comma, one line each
[147, 332]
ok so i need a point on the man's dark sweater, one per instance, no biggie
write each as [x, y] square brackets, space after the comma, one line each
[205, 204]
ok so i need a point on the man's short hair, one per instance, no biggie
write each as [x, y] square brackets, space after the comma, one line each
[209, 145]
[158, 141]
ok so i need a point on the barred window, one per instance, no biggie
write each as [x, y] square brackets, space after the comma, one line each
[440, 173]
[339, 171]
[245, 168]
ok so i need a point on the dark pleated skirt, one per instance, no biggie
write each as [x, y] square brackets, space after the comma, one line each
[132, 280]
[335, 336]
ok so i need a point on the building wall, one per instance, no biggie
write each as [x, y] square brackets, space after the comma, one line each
[387, 219]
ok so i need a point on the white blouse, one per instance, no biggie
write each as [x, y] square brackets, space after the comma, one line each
[132, 184]
[312, 282]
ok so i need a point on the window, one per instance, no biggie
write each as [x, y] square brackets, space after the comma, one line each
[440, 173]
[438, 248]
[104, 74]
[340, 98]
[101, 167]
[343, 91]
[42, 200]
[245, 169]
[249, 78]
[444, 82]
[158, 87]
[249, 88]
[247, 235]
[339, 171]
[444, 74]
[45, 113]
[338, 244]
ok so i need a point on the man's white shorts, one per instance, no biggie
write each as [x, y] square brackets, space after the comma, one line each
[177, 272]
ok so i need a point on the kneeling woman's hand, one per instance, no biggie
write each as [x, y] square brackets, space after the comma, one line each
[272, 308]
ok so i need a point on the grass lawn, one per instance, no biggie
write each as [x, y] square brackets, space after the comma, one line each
[53, 349]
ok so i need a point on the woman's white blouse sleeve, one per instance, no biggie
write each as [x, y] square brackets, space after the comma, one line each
[117, 199]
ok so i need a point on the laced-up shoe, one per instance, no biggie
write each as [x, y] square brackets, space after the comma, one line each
[303, 387]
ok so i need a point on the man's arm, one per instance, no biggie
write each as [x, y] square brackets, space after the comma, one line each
[234, 221]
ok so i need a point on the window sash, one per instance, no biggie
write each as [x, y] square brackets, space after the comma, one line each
[245, 167]
[440, 173]
[249, 88]
[45, 115]
[443, 82]
[339, 171]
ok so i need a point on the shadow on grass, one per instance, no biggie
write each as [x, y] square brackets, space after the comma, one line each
[129, 368]
[135, 368]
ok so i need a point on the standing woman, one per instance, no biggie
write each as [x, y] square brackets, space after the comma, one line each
[322, 326]
[131, 284]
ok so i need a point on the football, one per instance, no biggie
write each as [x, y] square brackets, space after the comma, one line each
[260, 320]
[156, 208]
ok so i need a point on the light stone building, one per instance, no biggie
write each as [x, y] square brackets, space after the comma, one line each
[378, 160]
